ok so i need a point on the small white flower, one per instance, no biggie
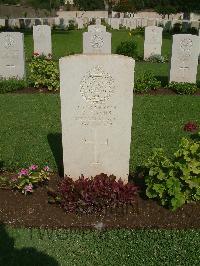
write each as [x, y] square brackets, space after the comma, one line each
[99, 226]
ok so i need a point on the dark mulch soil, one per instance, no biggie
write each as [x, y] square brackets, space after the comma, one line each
[161, 91]
[164, 91]
[34, 210]
[32, 90]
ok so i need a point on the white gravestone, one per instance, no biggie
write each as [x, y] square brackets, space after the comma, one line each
[80, 23]
[12, 55]
[98, 21]
[97, 40]
[144, 22]
[2, 23]
[96, 114]
[127, 23]
[153, 41]
[139, 22]
[184, 61]
[151, 22]
[133, 24]
[115, 23]
[42, 39]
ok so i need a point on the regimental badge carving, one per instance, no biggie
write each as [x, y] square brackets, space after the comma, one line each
[9, 41]
[186, 46]
[96, 29]
[97, 41]
[97, 86]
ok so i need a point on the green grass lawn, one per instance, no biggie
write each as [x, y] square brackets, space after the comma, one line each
[30, 129]
[22, 247]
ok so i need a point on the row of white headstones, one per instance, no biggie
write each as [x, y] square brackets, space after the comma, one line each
[97, 97]
[115, 23]
[184, 60]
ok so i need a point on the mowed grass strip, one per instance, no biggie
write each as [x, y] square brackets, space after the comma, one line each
[30, 130]
[115, 247]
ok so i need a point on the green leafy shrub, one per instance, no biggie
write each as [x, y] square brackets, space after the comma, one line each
[138, 31]
[193, 31]
[12, 84]
[177, 28]
[183, 88]
[175, 181]
[146, 81]
[127, 48]
[44, 72]
[71, 25]
[4, 182]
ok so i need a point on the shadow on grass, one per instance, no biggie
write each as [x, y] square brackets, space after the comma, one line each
[9, 255]
[163, 79]
[138, 178]
[55, 143]
[1, 165]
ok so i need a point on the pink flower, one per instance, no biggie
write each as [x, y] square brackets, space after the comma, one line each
[36, 54]
[28, 188]
[23, 172]
[33, 167]
[46, 168]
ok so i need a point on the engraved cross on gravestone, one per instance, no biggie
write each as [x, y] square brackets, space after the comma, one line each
[96, 144]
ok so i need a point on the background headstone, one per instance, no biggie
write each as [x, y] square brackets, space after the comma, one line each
[139, 22]
[195, 24]
[115, 23]
[80, 23]
[144, 22]
[121, 15]
[133, 25]
[42, 39]
[2, 22]
[96, 40]
[153, 41]
[28, 23]
[184, 61]
[98, 21]
[96, 114]
[12, 55]
[151, 22]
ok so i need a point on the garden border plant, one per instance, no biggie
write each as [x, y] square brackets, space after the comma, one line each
[176, 181]
[12, 84]
[27, 179]
[95, 194]
[44, 72]
[145, 82]
[183, 87]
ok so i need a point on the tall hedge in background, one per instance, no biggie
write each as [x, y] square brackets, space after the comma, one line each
[90, 4]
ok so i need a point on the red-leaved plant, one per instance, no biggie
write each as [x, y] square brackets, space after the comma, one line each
[96, 194]
[191, 127]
